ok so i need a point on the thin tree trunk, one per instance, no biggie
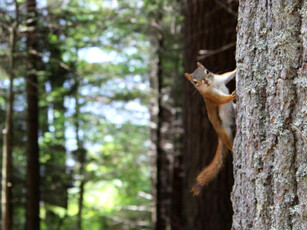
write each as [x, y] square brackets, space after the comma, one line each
[54, 167]
[177, 193]
[177, 140]
[81, 156]
[80, 202]
[159, 128]
[271, 145]
[163, 172]
[153, 109]
[6, 194]
[33, 194]
[165, 111]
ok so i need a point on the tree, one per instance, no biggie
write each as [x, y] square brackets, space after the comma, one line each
[80, 153]
[165, 28]
[117, 190]
[6, 193]
[270, 146]
[209, 38]
[33, 172]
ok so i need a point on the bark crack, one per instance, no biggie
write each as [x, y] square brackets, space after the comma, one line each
[292, 115]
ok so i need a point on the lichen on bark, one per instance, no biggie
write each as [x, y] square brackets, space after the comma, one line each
[270, 146]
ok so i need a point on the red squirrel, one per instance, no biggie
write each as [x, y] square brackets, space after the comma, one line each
[221, 112]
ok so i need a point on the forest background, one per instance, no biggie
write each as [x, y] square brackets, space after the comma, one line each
[77, 81]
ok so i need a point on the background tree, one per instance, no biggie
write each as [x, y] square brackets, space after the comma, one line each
[53, 152]
[33, 171]
[209, 38]
[116, 166]
[13, 66]
[80, 153]
[165, 35]
[270, 146]
[7, 164]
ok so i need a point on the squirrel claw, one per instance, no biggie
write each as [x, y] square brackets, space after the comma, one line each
[233, 94]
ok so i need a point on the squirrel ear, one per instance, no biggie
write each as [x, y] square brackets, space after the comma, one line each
[200, 65]
[188, 76]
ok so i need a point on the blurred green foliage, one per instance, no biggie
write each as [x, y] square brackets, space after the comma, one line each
[113, 117]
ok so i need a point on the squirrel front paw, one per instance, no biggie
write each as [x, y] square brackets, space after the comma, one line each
[233, 95]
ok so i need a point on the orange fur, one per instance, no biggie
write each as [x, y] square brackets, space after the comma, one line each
[215, 94]
[219, 99]
[225, 136]
[210, 172]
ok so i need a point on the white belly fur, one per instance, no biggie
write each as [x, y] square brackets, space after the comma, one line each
[226, 111]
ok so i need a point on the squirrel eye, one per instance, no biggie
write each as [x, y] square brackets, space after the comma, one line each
[195, 81]
[206, 71]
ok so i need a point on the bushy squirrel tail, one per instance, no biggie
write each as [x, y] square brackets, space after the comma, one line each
[212, 170]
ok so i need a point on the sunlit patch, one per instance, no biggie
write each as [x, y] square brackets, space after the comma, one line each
[101, 195]
[97, 55]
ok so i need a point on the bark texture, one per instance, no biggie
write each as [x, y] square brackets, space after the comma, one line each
[33, 194]
[208, 26]
[270, 145]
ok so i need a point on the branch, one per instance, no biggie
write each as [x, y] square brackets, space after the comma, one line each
[206, 53]
[5, 25]
[225, 7]
[130, 224]
[137, 208]
[145, 195]
[61, 64]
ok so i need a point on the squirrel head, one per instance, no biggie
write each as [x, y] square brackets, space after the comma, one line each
[201, 78]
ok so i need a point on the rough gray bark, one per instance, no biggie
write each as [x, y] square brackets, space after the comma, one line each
[270, 145]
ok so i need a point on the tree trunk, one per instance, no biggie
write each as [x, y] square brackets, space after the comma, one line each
[166, 109]
[81, 156]
[55, 184]
[80, 203]
[176, 134]
[271, 145]
[208, 26]
[163, 179]
[33, 195]
[6, 194]
[153, 110]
